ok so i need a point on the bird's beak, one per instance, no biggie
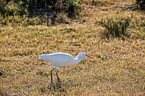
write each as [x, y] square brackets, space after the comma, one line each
[90, 57]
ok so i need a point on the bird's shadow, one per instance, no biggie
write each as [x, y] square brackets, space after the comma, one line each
[62, 86]
[56, 87]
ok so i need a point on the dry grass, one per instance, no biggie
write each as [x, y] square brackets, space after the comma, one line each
[118, 67]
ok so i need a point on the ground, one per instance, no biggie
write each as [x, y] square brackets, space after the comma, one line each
[117, 67]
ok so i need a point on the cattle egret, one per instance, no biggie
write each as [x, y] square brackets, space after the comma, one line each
[63, 59]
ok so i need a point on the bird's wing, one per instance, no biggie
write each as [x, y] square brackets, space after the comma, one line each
[57, 58]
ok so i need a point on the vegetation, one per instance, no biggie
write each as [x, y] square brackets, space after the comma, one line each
[116, 27]
[118, 67]
[48, 11]
[141, 4]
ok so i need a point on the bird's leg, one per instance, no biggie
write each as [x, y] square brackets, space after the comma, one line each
[58, 79]
[57, 76]
[51, 75]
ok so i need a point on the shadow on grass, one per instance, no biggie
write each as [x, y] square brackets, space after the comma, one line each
[56, 87]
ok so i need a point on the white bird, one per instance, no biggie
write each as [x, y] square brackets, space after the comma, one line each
[63, 59]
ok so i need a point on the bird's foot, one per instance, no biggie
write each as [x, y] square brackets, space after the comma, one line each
[58, 84]
[51, 86]
[56, 87]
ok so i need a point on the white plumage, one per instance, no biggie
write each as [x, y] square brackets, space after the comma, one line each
[63, 59]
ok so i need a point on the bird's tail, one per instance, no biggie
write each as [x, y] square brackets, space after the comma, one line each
[42, 57]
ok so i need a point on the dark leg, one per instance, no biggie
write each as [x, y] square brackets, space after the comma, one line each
[51, 75]
[57, 76]
[59, 85]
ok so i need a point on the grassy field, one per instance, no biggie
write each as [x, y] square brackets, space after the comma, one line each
[118, 68]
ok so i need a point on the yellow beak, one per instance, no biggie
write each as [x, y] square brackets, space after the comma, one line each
[90, 57]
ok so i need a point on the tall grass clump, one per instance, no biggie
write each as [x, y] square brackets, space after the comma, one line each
[115, 27]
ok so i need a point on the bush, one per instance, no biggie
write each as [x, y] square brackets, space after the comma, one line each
[44, 9]
[73, 7]
[39, 7]
[12, 7]
[115, 27]
[141, 4]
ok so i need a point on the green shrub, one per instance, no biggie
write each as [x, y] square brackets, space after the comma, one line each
[14, 7]
[141, 4]
[73, 7]
[39, 7]
[115, 27]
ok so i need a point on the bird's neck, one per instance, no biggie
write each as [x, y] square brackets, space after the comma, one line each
[78, 59]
